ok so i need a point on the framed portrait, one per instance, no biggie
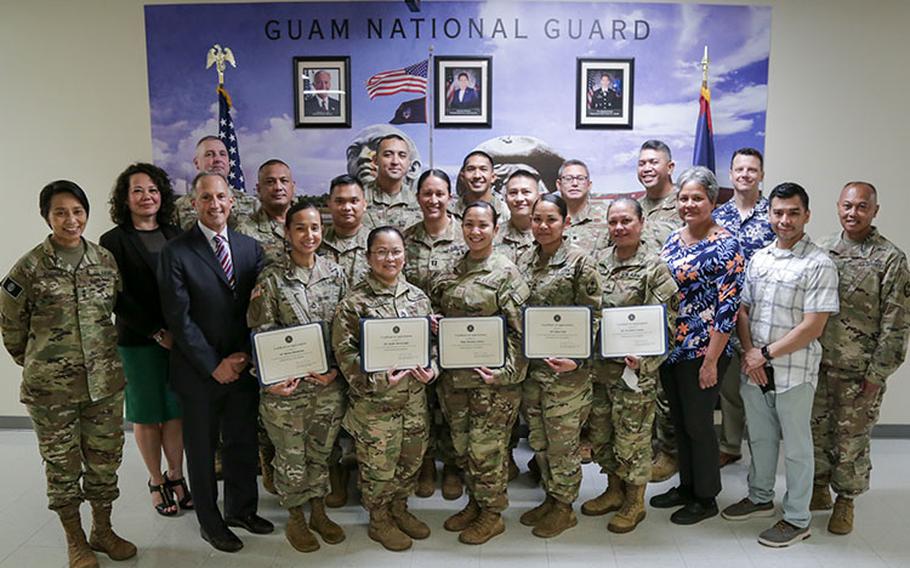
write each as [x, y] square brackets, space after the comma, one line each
[322, 92]
[604, 93]
[463, 92]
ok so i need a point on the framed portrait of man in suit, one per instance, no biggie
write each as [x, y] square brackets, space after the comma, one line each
[604, 93]
[463, 92]
[322, 94]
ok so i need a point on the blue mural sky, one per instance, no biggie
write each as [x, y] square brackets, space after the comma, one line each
[533, 78]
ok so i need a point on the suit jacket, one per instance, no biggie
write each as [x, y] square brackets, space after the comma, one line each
[311, 107]
[206, 316]
[138, 307]
[470, 100]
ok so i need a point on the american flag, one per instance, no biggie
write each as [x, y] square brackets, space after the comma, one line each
[229, 137]
[412, 79]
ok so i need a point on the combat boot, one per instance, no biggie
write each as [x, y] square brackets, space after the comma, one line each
[79, 552]
[266, 455]
[663, 467]
[298, 534]
[532, 517]
[512, 470]
[426, 479]
[338, 482]
[632, 511]
[407, 522]
[821, 498]
[384, 531]
[561, 517]
[608, 501]
[322, 524]
[451, 483]
[841, 521]
[487, 525]
[463, 518]
[104, 539]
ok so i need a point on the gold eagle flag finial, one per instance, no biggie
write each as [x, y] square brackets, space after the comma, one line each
[217, 56]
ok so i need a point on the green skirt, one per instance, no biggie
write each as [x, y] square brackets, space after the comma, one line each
[149, 399]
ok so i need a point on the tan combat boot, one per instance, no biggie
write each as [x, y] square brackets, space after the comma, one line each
[487, 525]
[608, 501]
[841, 521]
[297, 532]
[384, 531]
[426, 478]
[632, 511]
[266, 455]
[451, 483]
[532, 517]
[821, 498]
[104, 539]
[328, 529]
[80, 553]
[663, 467]
[463, 518]
[407, 522]
[338, 481]
[561, 517]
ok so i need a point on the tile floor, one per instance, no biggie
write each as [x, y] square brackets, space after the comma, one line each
[30, 536]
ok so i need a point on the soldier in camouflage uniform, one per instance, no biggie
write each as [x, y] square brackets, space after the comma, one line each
[514, 239]
[387, 411]
[345, 241]
[212, 157]
[55, 311]
[302, 415]
[862, 346]
[390, 201]
[556, 397]
[622, 414]
[432, 247]
[587, 219]
[482, 404]
[475, 182]
[655, 170]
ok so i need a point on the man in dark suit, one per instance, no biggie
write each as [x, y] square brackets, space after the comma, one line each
[321, 104]
[205, 278]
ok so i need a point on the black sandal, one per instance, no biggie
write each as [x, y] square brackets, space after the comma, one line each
[181, 483]
[167, 500]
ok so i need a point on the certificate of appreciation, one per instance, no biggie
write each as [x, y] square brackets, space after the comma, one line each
[402, 343]
[563, 331]
[465, 342]
[633, 330]
[290, 352]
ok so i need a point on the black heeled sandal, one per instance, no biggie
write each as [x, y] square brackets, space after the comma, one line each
[185, 503]
[167, 500]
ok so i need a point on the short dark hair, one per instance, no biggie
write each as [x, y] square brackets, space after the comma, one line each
[522, 172]
[343, 179]
[271, 162]
[556, 200]
[865, 183]
[636, 206]
[120, 210]
[657, 145]
[56, 188]
[481, 204]
[371, 238]
[748, 152]
[787, 190]
[301, 204]
[393, 137]
[477, 153]
[462, 74]
[436, 173]
[199, 177]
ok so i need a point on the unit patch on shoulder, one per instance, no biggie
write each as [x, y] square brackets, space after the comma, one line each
[11, 287]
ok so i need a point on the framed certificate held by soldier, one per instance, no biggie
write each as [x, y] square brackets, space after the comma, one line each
[290, 352]
[466, 342]
[633, 330]
[561, 331]
[400, 343]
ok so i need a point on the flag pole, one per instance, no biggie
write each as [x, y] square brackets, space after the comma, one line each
[429, 105]
[704, 68]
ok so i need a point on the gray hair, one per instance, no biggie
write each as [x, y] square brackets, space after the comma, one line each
[703, 177]
[572, 162]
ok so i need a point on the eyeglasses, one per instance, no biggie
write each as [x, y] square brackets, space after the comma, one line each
[383, 254]
[570, 179]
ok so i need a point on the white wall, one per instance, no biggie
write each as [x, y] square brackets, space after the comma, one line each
[74, 104]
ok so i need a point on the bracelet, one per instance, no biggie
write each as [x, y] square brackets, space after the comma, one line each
[766, 354]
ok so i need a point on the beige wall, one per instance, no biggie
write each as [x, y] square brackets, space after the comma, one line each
[74, 104]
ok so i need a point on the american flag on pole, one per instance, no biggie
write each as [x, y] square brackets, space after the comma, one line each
[412, 79]
[229, 137]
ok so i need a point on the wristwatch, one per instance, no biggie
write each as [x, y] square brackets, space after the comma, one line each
[766, 354]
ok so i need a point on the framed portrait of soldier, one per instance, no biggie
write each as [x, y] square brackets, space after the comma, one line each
[322, 92]
[604, 93]
[463, 92]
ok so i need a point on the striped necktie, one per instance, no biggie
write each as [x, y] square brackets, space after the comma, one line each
[224, 258]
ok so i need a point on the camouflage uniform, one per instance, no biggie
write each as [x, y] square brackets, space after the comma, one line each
[621, 417]
[304, 425]
[399, 210]
[269, 233]
[388, 423]
[481, 415]
[57, 326]
[556, 406]
[866, 341]
[458, 206]
[348, 252]
[244, 206]
[587, 226]
[516, 245]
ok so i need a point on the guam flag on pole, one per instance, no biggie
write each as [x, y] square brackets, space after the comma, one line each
[704, 130]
